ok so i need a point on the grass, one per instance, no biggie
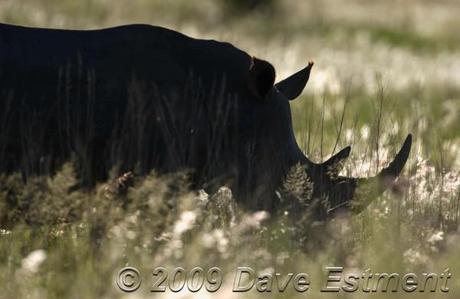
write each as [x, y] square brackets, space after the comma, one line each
[374, 81]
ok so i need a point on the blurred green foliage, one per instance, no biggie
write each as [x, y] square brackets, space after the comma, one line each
[239, 7]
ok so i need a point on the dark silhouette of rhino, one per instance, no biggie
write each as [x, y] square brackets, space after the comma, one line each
[144, 97]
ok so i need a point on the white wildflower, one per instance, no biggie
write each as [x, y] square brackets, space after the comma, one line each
[436, 237]
[203, 197]
[208, 240]
[365, 132]
[185, 223]
[31, 263]
[131, 235]
[254, 220]
[4, 232]
[414, 257]
[216, 239]
[349, 134]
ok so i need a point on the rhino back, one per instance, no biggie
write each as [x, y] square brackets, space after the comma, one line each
[49, 78]
[151, 52]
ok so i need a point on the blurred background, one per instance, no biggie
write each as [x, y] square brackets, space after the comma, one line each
[404, 50]
[383, 68]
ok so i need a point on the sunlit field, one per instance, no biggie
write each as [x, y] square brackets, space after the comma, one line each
[383, 69]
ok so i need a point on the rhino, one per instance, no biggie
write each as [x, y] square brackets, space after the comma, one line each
[148, 98]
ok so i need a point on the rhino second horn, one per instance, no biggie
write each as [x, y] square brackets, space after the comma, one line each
[335, 163]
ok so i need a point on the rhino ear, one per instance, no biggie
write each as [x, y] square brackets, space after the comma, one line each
[293, 86]
[261, 77]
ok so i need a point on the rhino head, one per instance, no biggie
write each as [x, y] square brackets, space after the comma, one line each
[349, 193]
[332, 191]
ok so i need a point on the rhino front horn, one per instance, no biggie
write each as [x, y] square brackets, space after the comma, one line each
[368, 189]
[395, 167]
